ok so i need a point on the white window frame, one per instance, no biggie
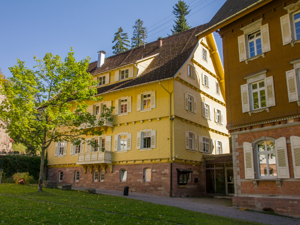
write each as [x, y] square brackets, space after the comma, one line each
[258, 91]
[254, 40]
[122, 138]
[205, 80]
[219, 147]
[145, 174]
[62, 148]
[96, 178]
[204, 54]
[102, 175]
[60, 176]
[148, 101]
[77, 147]
[206, 110]
[117, 143]
[123, 101]
[191, 141]
[126, 73]
[96, 139]
[76, 176]
[146, 139]
[101, 80]
[217, 87]
[218, 118]
[294, 25]
[190, 103]
[123, 175]
[206, 145]
[140, 101]
[190, 70]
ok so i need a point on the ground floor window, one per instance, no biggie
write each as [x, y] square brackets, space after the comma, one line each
[96, 176]
[266, 159]
[147, 175]
[183, 176]
[123, 175]
[60, 176]
[76, 176]
[102, 173]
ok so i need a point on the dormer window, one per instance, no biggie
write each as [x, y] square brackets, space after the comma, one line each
[204, 54]
[124, 74]
[101, 80]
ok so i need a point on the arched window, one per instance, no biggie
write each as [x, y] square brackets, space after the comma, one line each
[266, 158]
[76, 176]
[123, 175]
[147, 175]
[60, 176]
[96, 176]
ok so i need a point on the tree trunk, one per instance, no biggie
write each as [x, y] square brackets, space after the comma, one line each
[41, 170]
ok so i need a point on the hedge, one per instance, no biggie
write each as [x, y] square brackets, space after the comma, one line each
[12, 164]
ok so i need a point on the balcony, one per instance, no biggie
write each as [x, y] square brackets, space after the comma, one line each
[94, 158]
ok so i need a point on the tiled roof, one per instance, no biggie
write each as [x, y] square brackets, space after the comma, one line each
[174, 52]
[229, 8]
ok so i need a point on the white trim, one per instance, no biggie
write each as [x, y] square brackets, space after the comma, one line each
[252, 26]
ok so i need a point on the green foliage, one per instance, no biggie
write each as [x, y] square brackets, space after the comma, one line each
[121, 40]
[19, 147]
[55, 206]
[180, 10]
[25, 176]
[49, 102]
[139, 34]
[12, 164]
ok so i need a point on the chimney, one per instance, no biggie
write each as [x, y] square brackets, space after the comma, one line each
[101, 58]
[160, 42]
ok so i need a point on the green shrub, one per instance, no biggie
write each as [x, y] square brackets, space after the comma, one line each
[25, 176]
[12, 164]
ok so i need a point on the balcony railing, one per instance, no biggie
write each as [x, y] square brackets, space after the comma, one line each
[94, 157]
[106, 123]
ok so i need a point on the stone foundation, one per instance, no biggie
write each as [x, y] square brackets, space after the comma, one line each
[284, 206]
[159, 184]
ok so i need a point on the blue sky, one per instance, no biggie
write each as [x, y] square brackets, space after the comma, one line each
[33, 27]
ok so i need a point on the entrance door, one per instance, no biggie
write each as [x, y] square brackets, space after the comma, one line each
[229, 181]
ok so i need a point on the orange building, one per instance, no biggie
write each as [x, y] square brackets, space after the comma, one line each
[261, 49]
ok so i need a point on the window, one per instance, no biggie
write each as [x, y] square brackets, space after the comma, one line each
[77, 149]
[60, 176]
[296, 23]
[218, 116]
[146, 139]
[190, 103]
[96, 110]
[206, 145]
[124, 74]
[219, 147]
[96, 175]
[205, 80]
[102, 144]
[206, 111]
[254, 44]
[123, 175]
[61, 148]
[183, 176]
[102, 173]
[204, 54]
[217, 87]
[147, 175]
[76, 176]
[146, 101]
[101, 80]
[189, 70]
[191, 140]
[258, 93]
[123, 106]
[266, 159]
[95, 144]
[122, 142]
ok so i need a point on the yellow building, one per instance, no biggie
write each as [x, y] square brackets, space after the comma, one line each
[169, 114]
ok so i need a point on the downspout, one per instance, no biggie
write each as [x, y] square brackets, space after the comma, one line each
[170, 136]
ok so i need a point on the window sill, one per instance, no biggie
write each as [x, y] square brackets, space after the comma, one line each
[146, 110]
[191, 112]
[218, 123]
[191, 150]
[123, 151]
[123, 114]
[259, 110]
[278, 181]
[145, 149]
[255, 57]
[194, 78]
[295, 42]
[60, 156]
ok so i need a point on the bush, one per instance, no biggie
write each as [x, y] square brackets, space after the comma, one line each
[25, 176]
[12, 164]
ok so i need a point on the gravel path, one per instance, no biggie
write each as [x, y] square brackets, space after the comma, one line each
[220, 207]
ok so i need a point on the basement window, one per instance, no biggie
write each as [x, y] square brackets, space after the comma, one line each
[183, 176]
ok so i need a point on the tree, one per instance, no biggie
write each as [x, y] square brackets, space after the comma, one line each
[139, 34]
[121, 40]
[180, 10]
[49, 103]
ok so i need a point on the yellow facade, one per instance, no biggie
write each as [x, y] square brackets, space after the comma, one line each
[170, 121]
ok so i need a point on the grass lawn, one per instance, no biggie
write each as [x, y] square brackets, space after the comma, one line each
[24, 204]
